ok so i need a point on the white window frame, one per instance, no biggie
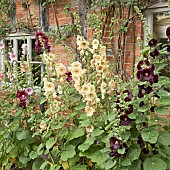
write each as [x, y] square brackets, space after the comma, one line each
[149, 15]
[15, 38]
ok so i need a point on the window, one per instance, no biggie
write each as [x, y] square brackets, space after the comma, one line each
[158, 18]
[16, 42]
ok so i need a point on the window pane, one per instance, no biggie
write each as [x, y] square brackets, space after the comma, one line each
[20, 42]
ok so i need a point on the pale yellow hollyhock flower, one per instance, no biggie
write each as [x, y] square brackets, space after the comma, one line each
[92, 88]
[61, 69]
[92, 62]
[76, 64]
[100, 68]
[43, 125]
[76, 71]
[76, 78]
[51, 57]
[97, 58]
[84, 44]
[85, 88]
[49, 86]
[59, 89]
[89, 110]
[89, 129]
[79, 39]
[90, 96]
[95, 44]
[77, 87]
[102, 50]
[45, 79]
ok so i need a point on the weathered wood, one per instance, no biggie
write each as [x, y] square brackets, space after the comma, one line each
[83, 9]
[43, 17]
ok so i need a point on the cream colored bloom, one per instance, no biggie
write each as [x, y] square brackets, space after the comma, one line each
[52, 57]
[84, 44]
[79, 39]
[49, 86]
[43, 125]
[77, 87]
[97, 58]
[95, 44]
[76, 71]
[91, 96]
[89, 110]
[102, 50]
[61, 69]
[59, 89]
[76, 64]
[76, 78]
[89, 129]
[100, 68]
[85, 88]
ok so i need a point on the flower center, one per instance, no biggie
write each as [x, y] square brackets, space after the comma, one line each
[116, 142]
[146, 74]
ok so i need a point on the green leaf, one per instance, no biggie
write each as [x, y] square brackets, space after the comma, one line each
[143, 109]
[89, 141]
[37, 164]
[44, 165]
[80, 106]
[33, 154]
[154, 164]
[75, 134]
[68, 153]
[136, 165]
[97, 132]
[134, 152]
[108, 164]
[121, 151]
[164, 101]
[23, 159]
[21, 134]
[126, 162]
[132, 116]
[19, 111]
[164, 138]
[162, 93]
[150, 135]
[49, 144]
[162, 111]
[79, 167]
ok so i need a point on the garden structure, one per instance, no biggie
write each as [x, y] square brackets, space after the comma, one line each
[84, 85]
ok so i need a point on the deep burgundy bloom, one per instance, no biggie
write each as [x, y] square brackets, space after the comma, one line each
[69, 76]
[41, 41]
[129, 110]
[22, 104]
[168, 32]
[145, 150]
[129, 95]
[114, 143]
[111, 154]
[142, 63]
[147, 74]
[22, 95]
[142, 103]
[125, 120]
[144, 90]
[154, 53]
[152, 42]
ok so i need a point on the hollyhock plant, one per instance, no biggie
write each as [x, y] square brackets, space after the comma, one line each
[41, 42]
[152, 42]
[125, 120]
[115, 143]
[29, 90]
[22, 95]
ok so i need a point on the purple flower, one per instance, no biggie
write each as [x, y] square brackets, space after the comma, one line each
[41, 41]
[144, 90]
[29, 90]
[168, 32]
[22, 95]
[129, 110]
[125, 120]
[143, 64]
[111, 154]
[129, 95]
[12, 57]
[114, 143]
[69, 76]
[22, 104]
[154, 53]
[152, 42]
[147, 74]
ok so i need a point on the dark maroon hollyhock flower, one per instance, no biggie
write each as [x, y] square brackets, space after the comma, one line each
[111, 154]
[144, 90]
[69, 76]
[152, 109]
[41, 40]
[156, 79]
[154, 53]
[152, 42]
[119, 109]
[22, 104]
[168, 32]
[129, 97]
[129, 110]
[142, 63]
[125, 120]
[145, 150]
[142, 103]
[155, 152]
[114, 143]
[141, 142]
[146, 74]
[22, 95]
